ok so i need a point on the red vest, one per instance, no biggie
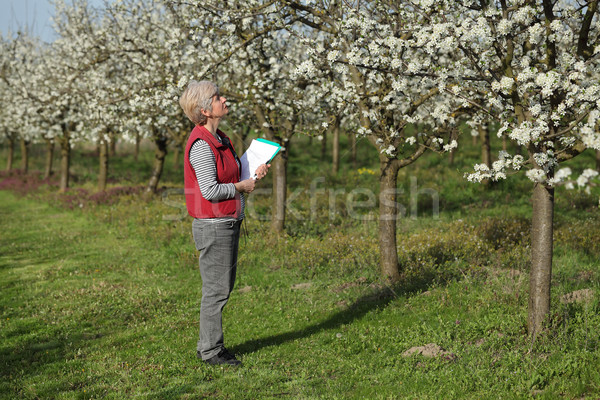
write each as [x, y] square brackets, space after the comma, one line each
[228, 171]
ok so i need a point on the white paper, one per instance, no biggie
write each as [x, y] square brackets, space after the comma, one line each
[257, 154]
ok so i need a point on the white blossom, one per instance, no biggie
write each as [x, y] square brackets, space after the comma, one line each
[536, 175]
[451, 145]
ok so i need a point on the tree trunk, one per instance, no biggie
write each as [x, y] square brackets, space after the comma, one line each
[176, 152]
[504, 142]
[159, 161]
[598, 160]
[520, 150]
[238, 139]
[11, 154]
[388, 215]
[541, 257]
[453, 136]
[103, 159]
[65, 161]
[242, 142]
[279, 166]
[136, 151]
[113, 145]
[353, 149]
[486, 149]
[335, 152]
[49, 158]
[25, 155]
[324, 146]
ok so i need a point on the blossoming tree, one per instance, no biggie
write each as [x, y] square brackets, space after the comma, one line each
[278, 103]
[537, 61]
[8, 135]
[21, 120]
[153, 51]
[246, 50]
[374, 66]
[59, 87]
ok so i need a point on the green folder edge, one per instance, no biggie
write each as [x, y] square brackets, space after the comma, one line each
[272, 144]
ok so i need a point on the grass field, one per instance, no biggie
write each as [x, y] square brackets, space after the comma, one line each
[100, 294]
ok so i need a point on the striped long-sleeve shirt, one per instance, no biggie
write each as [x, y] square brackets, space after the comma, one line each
[204, 164]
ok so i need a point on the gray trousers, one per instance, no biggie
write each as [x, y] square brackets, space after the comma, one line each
[218, 242]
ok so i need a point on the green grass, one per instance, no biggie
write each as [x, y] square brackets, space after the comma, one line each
[102, 301]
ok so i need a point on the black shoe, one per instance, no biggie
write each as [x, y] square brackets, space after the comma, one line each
[223, 358]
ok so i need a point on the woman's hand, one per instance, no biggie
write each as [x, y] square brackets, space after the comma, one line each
[246, 186]
[262, 170]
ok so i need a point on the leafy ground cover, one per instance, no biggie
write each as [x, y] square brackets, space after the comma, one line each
[100, 293]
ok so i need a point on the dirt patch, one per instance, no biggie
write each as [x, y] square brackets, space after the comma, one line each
[245, 289]
[585, 276]
[429, 350]
[298, 286]
[578, 296]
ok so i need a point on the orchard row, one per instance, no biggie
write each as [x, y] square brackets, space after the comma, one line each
[402, 73]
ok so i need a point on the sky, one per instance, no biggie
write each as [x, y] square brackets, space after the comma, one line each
[30, 15]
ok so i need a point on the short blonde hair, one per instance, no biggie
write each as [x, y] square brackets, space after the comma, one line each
[197, 97]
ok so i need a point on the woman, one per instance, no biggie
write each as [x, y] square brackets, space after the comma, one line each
[214, 197]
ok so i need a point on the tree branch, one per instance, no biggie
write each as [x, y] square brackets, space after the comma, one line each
[571, 152]
[583, 48]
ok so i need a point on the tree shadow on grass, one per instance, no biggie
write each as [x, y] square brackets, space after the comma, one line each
[30, 345]
[16, 261]
[42, 355]
[379, 297]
